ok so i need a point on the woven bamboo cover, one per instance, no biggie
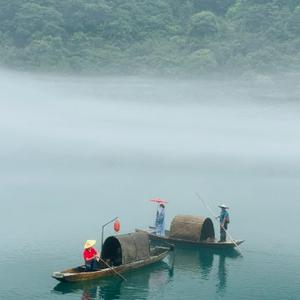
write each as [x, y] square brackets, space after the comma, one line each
[186, 227]
[134, 246]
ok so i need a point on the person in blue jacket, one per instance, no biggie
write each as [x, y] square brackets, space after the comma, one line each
[160, 220]
[224, 221]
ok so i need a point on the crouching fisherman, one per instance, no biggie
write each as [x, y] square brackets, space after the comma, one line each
[91, 255]
[160, 220]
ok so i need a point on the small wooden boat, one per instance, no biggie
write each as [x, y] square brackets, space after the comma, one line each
[191, 230]
[124, 252]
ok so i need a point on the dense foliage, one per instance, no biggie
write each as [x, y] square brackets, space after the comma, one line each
[157, 36]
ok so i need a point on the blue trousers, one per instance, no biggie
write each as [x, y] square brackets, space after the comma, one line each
[223, 233]
[90, 265]
[160, 230]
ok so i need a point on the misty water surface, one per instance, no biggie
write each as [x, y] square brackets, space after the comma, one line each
[76, 152]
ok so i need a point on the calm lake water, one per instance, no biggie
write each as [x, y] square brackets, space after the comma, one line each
[77, 152]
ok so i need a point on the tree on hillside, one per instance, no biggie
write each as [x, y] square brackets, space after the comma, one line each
[33, 21]
[218, 7]
[203, 24]
[84, 16]
[201, 61]
[294, 22]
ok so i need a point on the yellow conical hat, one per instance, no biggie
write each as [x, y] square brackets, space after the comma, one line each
[89, 244]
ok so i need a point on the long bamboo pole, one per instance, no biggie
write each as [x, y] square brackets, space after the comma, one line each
[112, 269]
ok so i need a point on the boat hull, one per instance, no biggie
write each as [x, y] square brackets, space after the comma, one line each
[73, 275]
[202, 244]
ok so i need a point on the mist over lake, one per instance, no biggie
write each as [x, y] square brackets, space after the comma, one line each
[76, 152]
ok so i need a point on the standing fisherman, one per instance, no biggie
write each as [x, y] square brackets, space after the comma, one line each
[224, 221]
[160, 220]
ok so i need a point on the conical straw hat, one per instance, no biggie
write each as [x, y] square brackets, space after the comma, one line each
[223, 206]
[89, 244]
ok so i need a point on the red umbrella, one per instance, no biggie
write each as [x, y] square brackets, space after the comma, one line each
[159, 201]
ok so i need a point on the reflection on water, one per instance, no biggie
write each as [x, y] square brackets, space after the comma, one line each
[222, 274]
[206, 259]
[202, 261]
[223, 271]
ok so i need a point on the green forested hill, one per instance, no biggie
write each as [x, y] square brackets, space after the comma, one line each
[150, 36]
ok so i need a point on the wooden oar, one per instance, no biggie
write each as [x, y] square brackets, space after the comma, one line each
[220, 224]
[121, 276]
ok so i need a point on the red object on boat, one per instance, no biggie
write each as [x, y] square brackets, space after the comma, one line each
[158, 200]
[117, 225]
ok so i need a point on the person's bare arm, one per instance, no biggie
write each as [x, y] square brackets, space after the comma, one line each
[89, 259]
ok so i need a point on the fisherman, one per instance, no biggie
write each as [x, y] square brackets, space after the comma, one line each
[91, 255]
[224, 221]
[160, 220]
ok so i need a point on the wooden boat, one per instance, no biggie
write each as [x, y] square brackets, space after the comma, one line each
[124, 252]
[191, 230]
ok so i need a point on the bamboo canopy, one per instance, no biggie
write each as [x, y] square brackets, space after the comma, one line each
[126, 248]
[192, 228]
